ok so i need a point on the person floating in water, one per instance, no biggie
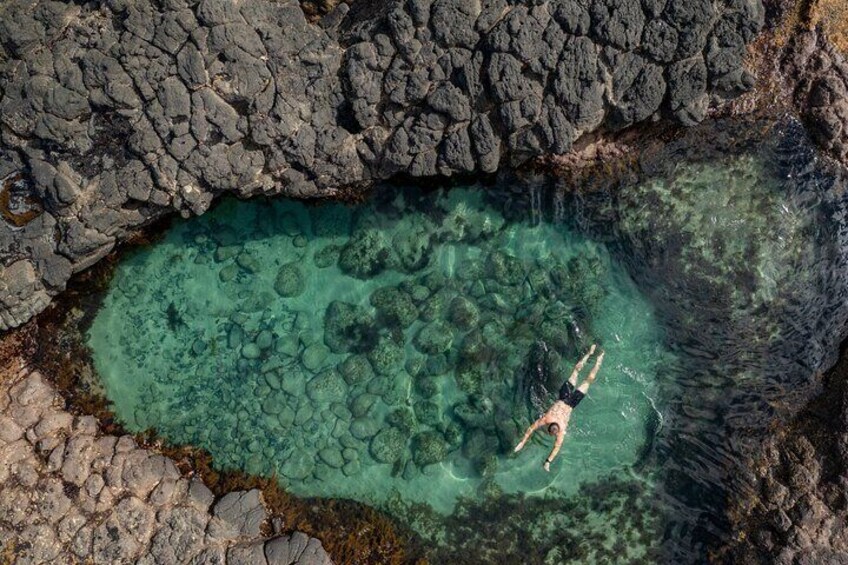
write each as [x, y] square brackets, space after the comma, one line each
[557, 417]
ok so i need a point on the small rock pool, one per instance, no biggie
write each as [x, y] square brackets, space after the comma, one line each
[393, 352]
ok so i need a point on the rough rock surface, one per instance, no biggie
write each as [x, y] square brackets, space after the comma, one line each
[115, 113]
[796, 510]
[821, 93]
[70, 494]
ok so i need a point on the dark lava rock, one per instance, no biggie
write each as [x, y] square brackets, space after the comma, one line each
[120, 113]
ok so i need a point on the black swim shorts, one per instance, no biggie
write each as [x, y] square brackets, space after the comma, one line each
[570, 395]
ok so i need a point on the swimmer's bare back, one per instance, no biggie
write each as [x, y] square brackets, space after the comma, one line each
[556, 419]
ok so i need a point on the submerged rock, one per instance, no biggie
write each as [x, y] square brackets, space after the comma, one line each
[348, 328]
[316, 357]
[290, 281]
[434, 338]
[365, 255]
[394, 307]
[356, 369]
[386, 357]
[326, 387]
[388, 445]
[428, 448]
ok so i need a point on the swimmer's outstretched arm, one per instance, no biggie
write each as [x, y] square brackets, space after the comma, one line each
[554, 451]
[579, 366]
[536, 425]
[584, 386]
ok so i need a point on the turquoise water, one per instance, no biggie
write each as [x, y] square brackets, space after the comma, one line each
[247, 349]
[387, 352]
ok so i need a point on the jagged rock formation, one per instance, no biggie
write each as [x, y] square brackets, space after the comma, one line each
[797, 504]
[70, 494]
[821, 91]
[117, 113]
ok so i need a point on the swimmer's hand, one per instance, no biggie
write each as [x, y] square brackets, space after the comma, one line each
[547, 466]
[519, 447]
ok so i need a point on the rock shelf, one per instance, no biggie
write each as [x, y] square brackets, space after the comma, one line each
[72, 494]
[119, 113]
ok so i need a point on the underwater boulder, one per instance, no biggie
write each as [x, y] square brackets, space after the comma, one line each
[248, 262]
[290, 281]
[411, 245]
[386, 358]
[505, 269]
[434, 338]
[356, 369]
[388, 445]
[403, 419]
[398, 389]
[463, 313]
[394, 307]
[437, 365]
[361, 405]
[479, 445]
[348, 328]
[365, 255]
[226, 252]
[332, 457]
[316, 357]
[428, 448]
[469, 378]
[326, 256]
[427, 387]
[326, 387]
[297, 468]
[364, 428]
[251, 351]
[428, 413]
[228, 273]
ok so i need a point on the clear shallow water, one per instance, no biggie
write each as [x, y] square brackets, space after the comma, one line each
[414, 390]
[427, 399]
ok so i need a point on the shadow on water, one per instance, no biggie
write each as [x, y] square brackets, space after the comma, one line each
[749, 285]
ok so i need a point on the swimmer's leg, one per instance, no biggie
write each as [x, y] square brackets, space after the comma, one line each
[579, 366]
[584, 386]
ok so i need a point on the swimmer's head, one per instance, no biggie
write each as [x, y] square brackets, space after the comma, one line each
[553, 429]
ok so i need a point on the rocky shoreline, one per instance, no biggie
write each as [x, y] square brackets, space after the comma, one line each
[796, 510]
[110, 122]
[117, 114]
[70, 493]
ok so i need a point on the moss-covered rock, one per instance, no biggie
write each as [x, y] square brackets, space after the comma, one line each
[427, 387]
[428, 448]
[356, 369]
[394, 307]
[403, 419]
[469, 378]
[361, 405]
[348, 328]
[411, 245]
[434, 338]
[290, 281]
[463, 313]
[326, 256]
[505, 269]
[387, 358]
[388, 445]
[365, 255]
[427, 412]
[327, 387]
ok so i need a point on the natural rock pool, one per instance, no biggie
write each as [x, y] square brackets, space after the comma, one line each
[389, 352]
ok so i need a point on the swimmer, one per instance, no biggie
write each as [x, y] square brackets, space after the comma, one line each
[557, 417]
